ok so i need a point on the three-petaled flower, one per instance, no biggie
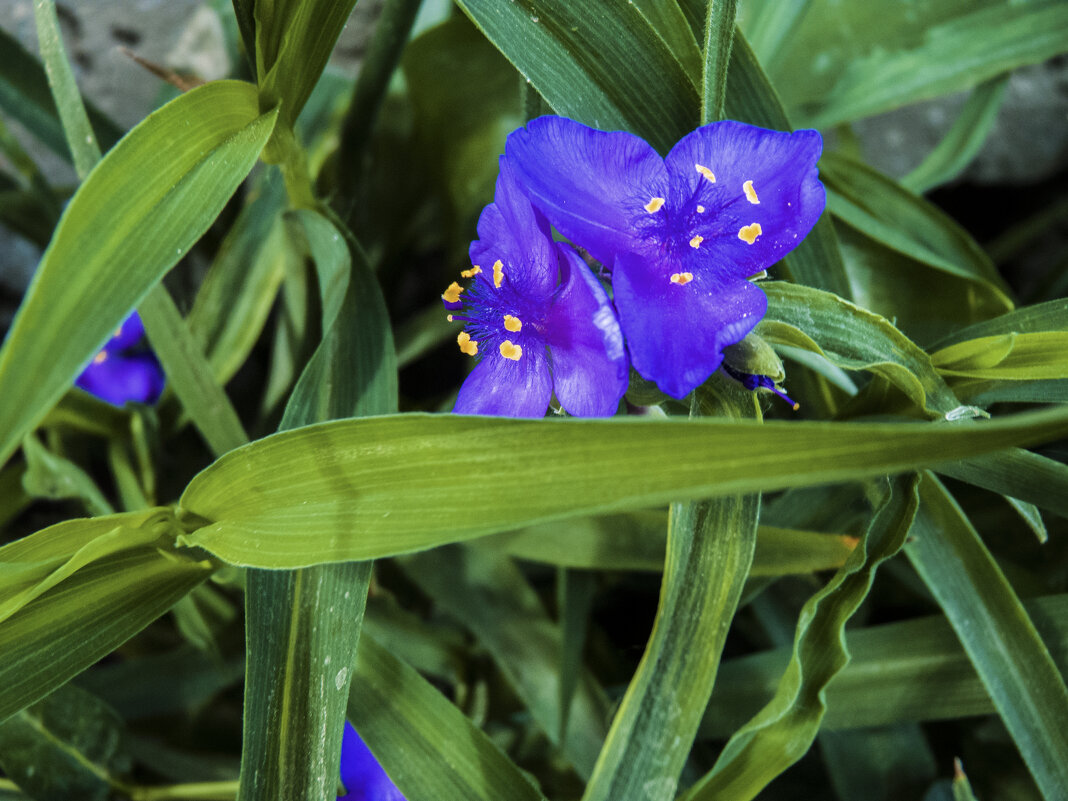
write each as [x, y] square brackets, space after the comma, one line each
[682, 234]
[361, 775]
[124, 369]
[536, 317]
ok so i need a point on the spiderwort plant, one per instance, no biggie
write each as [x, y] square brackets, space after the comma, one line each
[124, 369]
[682, 234]
[361, 775]
[536, 317]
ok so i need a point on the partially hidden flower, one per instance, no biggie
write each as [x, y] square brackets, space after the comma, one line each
[536, 317]
[681, 234]
[124, 369]
[361, 775]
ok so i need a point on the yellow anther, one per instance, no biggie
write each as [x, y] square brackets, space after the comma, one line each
[452, 294]
[467, 345]
[696, 241]
[513, 324]
[750, 193]
[510, 351]
[681, 278]
[749, 233]
[100, 357]
[654, 204]
[117, 332]
[448, 317]
[472, 272]
[498, 273]
[700, 209]
[707, 173]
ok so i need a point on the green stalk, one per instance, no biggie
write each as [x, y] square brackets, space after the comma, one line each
[709, 552]
[80, 137]
[719, 36]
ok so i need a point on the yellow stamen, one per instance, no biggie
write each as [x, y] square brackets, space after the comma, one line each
[100, 357]
[452, 294]
[696, 241]
[749, 233]
[700, 209]
[498, 273]
[654, 204]
[467, 345]
[681, 278]
[707, 173]
[117, 332]
[510, 351]
[513, 324]
[472, 272]
[750, 193]
[448, 317]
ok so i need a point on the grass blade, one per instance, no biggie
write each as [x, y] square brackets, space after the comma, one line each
[782, 731]
[996, 632]
[359, 489]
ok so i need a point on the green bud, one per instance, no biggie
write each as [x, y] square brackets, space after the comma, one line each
[756, 357]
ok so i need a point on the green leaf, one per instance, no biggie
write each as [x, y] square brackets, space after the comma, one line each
[301, 629]
[360, 489]
[925, 303]
[80, 136]
[130, 221]
[294, 39]
[996, 632]
[236, 296]
[883, 210]
[963, 141]
[1016, 473]
[599, 63]
[354, 370]
[24, 94]
[430, 749]
[489, 595]
[51, 476]
[575, 591]
[872, 60]
[190, 374]
[1049, 316]
[719, 35]
[303, 626]
[709, 551]
[784, 729]
[669, 22]
[67, 746]
[914, 670]
[83, 608]
[855, 339]
[637, 541]
[1006, 357]
[35, 564]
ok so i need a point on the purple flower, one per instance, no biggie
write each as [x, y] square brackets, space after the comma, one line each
[361, 775]
[124, 369]
[681, 234]
[536, 317]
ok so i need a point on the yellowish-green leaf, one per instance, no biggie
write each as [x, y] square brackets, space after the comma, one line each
[134, 217]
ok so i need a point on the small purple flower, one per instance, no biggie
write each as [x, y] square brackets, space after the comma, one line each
[537, 318]
[681, 234]
[361, 775]
[124, 369]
